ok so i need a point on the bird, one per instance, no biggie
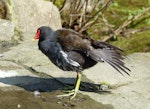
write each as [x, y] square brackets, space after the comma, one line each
[72, 51]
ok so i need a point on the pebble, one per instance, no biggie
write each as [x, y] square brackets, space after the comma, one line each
[104, 87]
[36, 93]
[1, 55]
[18, 105]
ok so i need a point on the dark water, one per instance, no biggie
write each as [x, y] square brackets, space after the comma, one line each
[46, 100]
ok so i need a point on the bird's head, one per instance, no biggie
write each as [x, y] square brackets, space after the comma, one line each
[43, 33]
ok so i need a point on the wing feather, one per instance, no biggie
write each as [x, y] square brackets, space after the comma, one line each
[96, 50]
[112, 57]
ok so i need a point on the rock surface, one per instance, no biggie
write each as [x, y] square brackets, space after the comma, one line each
[24, 67]
[126, 92]
[28, 15]
[6, 30]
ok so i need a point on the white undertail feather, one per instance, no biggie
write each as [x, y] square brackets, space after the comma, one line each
[74, 63]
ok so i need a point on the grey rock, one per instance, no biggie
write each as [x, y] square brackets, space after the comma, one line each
[1, 55]
[15, 76]
[6, 30]
[138, 63]
[104, 87]
[37, 93]
[132, 96]
[126, 92]
[27, 54]
[28, 15]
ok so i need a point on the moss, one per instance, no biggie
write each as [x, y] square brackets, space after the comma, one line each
[139, 42]
[10, 14]
[133, 4]
[17, 35]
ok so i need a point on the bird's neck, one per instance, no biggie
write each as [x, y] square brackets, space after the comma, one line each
[48, 36]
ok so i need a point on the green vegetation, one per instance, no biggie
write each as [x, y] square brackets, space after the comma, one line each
[138, 42]
[116, 14]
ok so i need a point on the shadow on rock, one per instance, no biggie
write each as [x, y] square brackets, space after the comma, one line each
[33, 83]
[49, 84]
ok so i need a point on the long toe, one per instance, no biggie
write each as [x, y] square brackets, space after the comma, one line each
[70, 94]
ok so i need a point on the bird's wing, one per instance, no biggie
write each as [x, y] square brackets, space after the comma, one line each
[110, 54]
[100, 44]
[98, 51]
[60, 58]
[71, 40]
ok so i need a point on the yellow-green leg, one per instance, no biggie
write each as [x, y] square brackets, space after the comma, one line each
[73, 92]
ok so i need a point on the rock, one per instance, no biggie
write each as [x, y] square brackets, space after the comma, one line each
[6, 30]
[131, 96]
[27, 54]
[9, 70]
[15, 76]
[36, 93]
[28, 17]
[127, 92]
[138, 64]
[1, 55]
[34, 71]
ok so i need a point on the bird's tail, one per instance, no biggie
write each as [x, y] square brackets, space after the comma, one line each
[111, 56]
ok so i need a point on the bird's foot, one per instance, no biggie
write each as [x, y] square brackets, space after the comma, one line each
[70, 93]
[73, 92]
[104, 86]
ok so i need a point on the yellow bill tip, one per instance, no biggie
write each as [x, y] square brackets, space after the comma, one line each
[33, 39]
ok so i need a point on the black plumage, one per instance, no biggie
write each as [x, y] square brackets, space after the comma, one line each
[72, 51]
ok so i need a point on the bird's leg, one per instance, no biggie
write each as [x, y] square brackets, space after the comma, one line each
[77, 85]
[73, 92]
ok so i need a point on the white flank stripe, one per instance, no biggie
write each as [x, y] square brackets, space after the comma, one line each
[74, 63]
